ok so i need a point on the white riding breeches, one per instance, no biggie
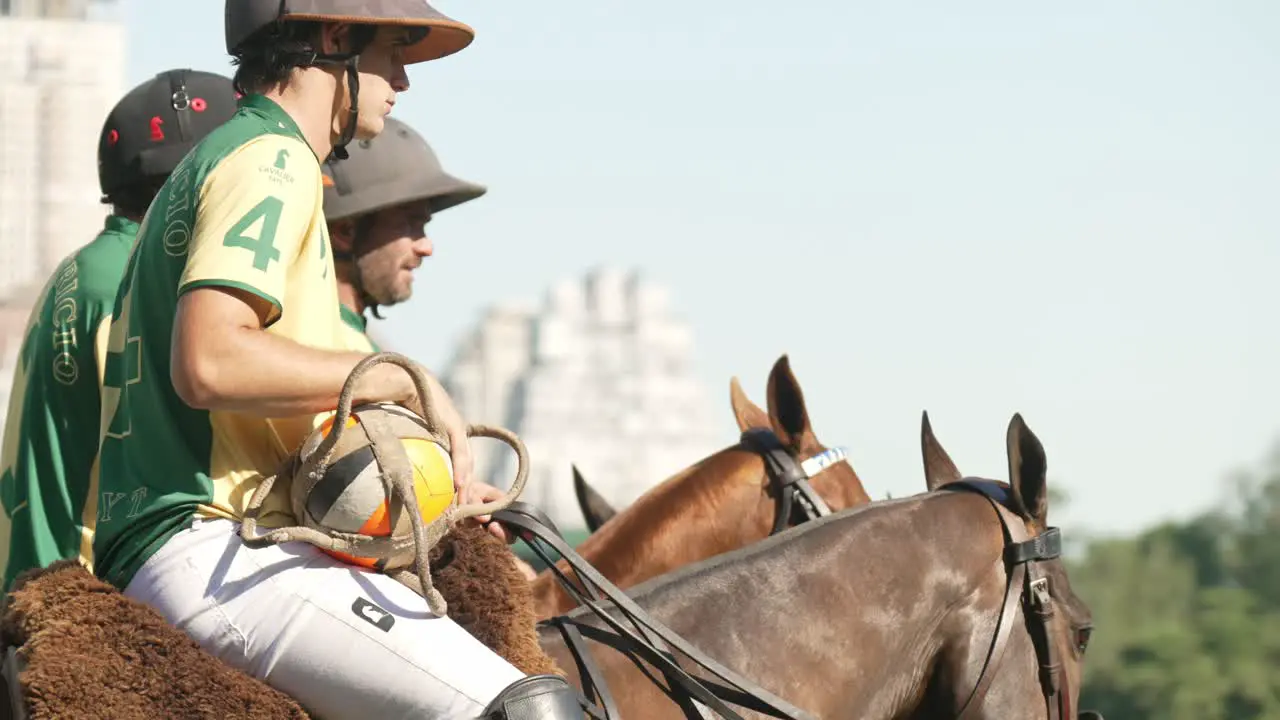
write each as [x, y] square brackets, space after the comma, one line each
[343, 642]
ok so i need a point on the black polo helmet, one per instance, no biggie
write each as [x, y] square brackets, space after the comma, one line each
[157, 123]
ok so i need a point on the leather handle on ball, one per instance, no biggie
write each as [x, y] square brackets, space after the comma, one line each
[517, 486]
[321, 456]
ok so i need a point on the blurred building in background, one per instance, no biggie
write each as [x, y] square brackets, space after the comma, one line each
[63, 71]
[601, 376]
[12, 318]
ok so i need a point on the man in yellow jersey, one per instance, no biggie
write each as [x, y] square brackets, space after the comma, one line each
[377, 203]
[227, 349]
[51, 434]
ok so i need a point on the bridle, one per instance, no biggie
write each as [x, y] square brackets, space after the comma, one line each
[1027, 587]
[795, 501]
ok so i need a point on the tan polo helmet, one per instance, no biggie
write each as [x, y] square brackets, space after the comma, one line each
[397, 166]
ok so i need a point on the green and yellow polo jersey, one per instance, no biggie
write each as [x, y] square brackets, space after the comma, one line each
[51, 430]
[357, 330]
[244, 210]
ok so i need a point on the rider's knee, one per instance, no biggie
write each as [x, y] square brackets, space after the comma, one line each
[536, 697]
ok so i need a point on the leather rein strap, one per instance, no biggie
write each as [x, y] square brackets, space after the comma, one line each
[789, 480]
[796, 502]
[648, 642]
[1027, 588]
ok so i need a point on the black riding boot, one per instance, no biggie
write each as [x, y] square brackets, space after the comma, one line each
[537, 697]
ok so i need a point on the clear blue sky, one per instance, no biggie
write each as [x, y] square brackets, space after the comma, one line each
[1063, 209]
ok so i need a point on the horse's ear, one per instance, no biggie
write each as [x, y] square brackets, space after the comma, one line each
[748, 414]
[595, 509]
[1027, 472]
[787, 412]
[938, 467]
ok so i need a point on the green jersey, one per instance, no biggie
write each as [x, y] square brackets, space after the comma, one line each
[243, 212]
[357, 322]
[48, 469]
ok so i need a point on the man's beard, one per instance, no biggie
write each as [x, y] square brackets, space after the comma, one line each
[379, 276]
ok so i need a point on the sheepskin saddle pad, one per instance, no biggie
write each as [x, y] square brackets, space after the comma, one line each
[84, 650]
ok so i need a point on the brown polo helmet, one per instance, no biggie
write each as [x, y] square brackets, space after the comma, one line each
[395, 167]
[441, 35]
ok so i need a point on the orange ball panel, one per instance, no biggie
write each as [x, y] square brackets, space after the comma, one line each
[433, 485]
[328, 423]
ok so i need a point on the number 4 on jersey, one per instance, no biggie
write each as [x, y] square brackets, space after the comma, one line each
[263, 246]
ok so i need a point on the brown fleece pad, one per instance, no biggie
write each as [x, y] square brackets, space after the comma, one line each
[91, 652]
[489, 597]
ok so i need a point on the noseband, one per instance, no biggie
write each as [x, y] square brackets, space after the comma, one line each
[795, 500]
[1028, 587]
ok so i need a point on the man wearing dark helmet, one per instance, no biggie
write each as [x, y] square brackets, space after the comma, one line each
[48, 477]
[227, 350]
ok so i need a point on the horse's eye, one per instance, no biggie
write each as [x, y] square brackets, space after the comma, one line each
[1082, 638]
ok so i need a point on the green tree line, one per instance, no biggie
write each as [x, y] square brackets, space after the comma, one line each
[1187, 614]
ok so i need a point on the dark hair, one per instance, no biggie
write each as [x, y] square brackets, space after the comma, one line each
[364, 226]
[136, 198]
[266, 58]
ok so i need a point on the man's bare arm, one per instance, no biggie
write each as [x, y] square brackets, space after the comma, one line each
[222, 359]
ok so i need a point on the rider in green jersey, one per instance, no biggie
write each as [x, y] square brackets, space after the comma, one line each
[227, 350]
[48, 463]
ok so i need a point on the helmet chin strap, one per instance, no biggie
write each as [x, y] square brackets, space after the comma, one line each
[352, 62]
[353, 114]
[361, 36]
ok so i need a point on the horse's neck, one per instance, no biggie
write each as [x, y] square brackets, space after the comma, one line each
[939, 592]
[859, 605]
[614, 551]
[679, 521]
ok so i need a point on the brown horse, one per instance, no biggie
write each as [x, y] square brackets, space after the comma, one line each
[719, 504]
[951, 603]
